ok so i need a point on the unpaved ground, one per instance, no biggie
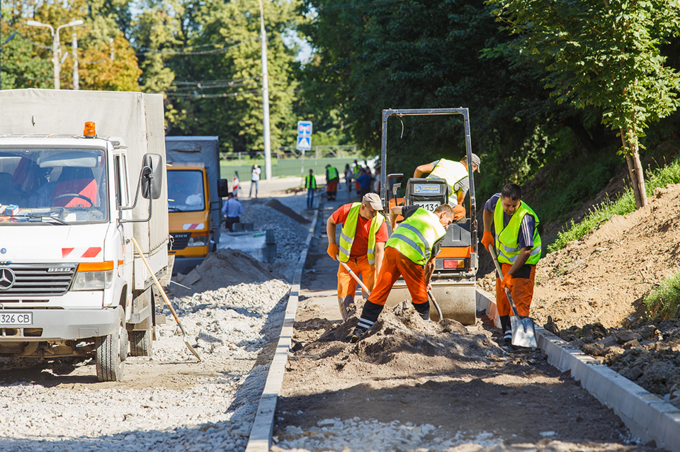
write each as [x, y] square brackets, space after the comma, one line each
[604, 276]
[170, 401]
[412, 385]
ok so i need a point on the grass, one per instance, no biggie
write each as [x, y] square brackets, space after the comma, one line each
[625, 204]
[664, 302]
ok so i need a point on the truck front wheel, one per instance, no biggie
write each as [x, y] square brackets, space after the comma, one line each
[109, 353]
[140, 343]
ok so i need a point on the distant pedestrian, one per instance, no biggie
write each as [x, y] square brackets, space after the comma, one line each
[365, 183]
[332, 180]
[254, 179]
[348, 180]
[234, 184]
[232, 211]
[310, 185]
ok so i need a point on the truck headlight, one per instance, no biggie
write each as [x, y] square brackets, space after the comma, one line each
[198, 241]
[94, 276]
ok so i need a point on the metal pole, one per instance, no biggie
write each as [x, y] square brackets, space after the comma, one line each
[76, 80]
[55, 57]
[265, 99]
[112, 54]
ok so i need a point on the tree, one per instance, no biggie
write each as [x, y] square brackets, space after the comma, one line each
[603, 54]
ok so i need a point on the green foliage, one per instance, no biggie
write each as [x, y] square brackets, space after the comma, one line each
[20, 69]
[623, 205]
[664, 302]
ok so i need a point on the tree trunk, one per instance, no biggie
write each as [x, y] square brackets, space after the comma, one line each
[637, 179]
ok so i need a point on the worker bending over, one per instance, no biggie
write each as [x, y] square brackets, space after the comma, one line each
[362, 245]
[410, 252]
[518, 246]
[456, 176]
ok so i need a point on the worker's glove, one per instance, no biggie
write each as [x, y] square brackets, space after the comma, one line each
[487, 240]
[333, 250]
[507, 282]
[458, 212]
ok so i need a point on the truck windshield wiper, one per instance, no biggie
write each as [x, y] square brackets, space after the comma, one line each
[57, 220]
[174, 209]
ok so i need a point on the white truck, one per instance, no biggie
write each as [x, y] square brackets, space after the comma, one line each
[81, 174]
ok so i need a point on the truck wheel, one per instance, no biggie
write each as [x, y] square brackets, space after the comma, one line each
[109, 350]
[140, 343]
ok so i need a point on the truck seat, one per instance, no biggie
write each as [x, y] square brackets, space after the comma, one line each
[75, 181]
[8, 192]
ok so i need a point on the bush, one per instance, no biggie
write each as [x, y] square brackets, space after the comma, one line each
[664, 302]
[625, 204]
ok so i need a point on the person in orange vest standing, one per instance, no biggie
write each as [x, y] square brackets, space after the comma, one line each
[361, 246]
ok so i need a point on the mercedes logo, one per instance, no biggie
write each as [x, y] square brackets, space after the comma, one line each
[7, 278]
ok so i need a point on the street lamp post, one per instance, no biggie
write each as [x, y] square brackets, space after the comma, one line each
[265, 100]
[56, 47]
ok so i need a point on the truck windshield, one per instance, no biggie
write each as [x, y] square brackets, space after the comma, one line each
[56, 186]
[185, 191]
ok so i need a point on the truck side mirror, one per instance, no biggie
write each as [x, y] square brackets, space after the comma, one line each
[222, 188]
[152, 176]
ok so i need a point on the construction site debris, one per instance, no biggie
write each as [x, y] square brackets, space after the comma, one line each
[224, 268]
[290, 235]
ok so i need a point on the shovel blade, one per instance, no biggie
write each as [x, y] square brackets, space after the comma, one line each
[523, 332]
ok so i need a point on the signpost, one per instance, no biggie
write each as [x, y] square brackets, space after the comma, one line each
[304, 141]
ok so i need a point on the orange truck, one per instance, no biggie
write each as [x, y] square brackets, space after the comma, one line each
[195, 193]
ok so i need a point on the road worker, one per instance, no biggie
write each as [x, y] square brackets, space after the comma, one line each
[362, 246]
[332, 180]
[456, 176]
[410, 252]
[310, 185]
[518, 246]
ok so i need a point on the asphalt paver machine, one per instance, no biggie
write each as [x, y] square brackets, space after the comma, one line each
[453, 280]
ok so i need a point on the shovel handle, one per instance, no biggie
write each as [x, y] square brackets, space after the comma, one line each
[492, 251]
[436, 305]
[354, 275]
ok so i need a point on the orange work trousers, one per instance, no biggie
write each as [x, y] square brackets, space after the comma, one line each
[394, 265]
[348, 285]
[522, 291]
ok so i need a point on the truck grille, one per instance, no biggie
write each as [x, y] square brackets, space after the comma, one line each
[35, 279]
[179, 241]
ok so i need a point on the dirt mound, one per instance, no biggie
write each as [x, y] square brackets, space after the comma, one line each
[287, 211]
[399, 340]
[224, 268]
[648, 354]
[605, 276]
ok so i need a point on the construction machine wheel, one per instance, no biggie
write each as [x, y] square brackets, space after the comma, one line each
[111, 352]
[141, 343]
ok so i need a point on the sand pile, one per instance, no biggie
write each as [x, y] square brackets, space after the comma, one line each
[224, 268]
[399, 341]
[605, 276]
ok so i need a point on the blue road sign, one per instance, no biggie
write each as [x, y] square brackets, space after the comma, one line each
[304, 143]
[305, 128]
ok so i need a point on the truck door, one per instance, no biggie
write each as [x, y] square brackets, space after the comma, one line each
[125, 229]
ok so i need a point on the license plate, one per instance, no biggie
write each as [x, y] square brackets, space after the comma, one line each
[16, 318]
[427, 205]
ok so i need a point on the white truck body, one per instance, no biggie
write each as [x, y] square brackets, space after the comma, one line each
[48, 309]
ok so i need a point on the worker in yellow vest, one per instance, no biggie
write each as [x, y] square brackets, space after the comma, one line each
[332, 180]
[518, 246]
[362, 245]
[410, 252]
[310, 185]
[456, 176]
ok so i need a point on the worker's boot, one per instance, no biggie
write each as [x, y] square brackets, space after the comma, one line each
[357, 334]
[507, 329]
[424, 310]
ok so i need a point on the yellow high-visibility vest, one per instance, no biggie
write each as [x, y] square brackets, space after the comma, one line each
[507, 238]
[452, 172]
[415, 236]
[332, 173]
[349, 229]
[310, 182]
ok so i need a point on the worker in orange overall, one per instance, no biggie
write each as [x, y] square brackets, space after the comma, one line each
[456, 176]
[518, 246]
[410, 252]
[362, 245]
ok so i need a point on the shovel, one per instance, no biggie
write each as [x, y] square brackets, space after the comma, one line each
[343, 309]
[436, 305]
[165, 299]
[523, 332]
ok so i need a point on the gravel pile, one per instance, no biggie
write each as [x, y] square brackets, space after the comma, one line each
[290, 235]
[370, 435]
[212, 408]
